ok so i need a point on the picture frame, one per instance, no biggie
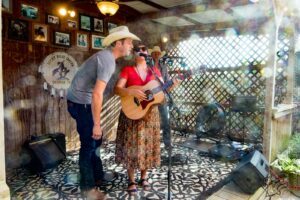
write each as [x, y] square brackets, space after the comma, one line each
[97, 42]
[71, 24]
[85, 22]
[82, 40]
[6, 6]
[39, 32]
[52, 19]
[18, 29]
[98, 25]
[111, 25]
[62, 38]
[29, 11]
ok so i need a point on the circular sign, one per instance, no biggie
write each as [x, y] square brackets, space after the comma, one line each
[59, 69]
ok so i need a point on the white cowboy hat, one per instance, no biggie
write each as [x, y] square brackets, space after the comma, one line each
[118, 33]
[157, 49]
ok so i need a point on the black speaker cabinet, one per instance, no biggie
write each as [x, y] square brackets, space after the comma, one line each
[60, 140]
[251, 172]
[46, 151]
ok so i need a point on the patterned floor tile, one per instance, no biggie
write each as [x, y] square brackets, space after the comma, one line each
[191, 175]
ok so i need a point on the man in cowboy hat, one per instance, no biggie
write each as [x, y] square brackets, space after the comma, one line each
[156, 54]
[85, 99]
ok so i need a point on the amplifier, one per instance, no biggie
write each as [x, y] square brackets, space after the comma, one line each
[46, 151]
[251, 172]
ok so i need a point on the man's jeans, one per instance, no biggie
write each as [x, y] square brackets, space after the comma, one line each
[90, 163]
[164, 124]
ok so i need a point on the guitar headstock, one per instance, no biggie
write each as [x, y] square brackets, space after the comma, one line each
[184, 74]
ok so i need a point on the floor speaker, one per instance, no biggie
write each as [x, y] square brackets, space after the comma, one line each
[46, 151]
[251, 172]
[60, 140]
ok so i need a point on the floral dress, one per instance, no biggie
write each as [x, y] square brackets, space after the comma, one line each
[138, 141]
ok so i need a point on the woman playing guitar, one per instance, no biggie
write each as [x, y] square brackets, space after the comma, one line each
[138, 141]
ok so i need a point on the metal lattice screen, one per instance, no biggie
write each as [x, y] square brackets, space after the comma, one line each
[234, 67]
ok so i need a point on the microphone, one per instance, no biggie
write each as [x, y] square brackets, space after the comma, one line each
[148, 58]
[145, 55]
[166, 56]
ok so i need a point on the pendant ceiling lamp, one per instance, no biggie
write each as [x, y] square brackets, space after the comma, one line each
[108, 8]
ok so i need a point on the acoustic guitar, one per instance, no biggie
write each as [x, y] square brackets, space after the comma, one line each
[135, 109]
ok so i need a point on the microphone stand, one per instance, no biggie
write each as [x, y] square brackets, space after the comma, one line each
[171, 105]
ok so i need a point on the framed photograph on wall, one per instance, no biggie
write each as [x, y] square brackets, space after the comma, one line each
[71, 24]
[85, 22]
[39, 32]
[52, 19]
[18, 29]
[97, 42]
[62, 38]
[29, 11]
[82, 40]
[98, 25]
[7, 6]
[111, 26]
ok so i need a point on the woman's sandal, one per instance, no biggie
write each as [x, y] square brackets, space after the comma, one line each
[144, 183]
[132, 191]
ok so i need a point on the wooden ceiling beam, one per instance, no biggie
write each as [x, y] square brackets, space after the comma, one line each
[150, 3]
[179, 11]
[197, 7]
[247, 26]
[155, 5]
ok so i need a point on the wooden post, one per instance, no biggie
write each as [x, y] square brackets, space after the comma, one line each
[278, 118]
[4, 190]
[270, 90]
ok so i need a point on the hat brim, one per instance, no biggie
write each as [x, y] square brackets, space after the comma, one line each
[118, 36]
[162, 53]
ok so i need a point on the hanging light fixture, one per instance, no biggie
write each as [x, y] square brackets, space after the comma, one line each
[108, 7]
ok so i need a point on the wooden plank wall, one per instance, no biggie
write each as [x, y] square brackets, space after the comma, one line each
[29, 110]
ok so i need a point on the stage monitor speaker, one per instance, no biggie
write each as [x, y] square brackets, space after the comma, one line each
[251, 172]
[46, 151]
[225, 152]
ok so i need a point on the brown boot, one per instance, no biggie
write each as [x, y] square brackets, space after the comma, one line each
[94, 194]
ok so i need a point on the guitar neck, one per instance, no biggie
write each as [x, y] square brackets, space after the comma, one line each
[168, 84]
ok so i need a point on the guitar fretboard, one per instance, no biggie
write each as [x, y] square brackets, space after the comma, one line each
[164, 87]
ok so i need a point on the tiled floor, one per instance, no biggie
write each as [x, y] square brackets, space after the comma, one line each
[193, 177]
